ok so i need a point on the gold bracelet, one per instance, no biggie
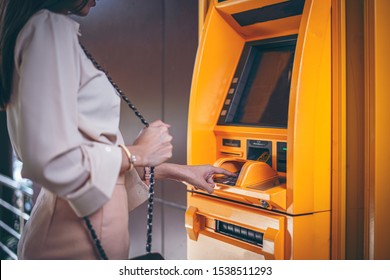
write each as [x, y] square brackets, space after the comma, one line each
[130, 157]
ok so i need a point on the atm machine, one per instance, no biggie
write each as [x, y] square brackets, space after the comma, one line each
[260, 106]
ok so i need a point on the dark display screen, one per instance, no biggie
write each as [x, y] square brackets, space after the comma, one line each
[261, 97]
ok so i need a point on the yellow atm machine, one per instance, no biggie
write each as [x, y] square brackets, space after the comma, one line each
[260, 106]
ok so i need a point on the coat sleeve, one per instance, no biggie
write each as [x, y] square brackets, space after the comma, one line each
[137, 191]
[52, 149]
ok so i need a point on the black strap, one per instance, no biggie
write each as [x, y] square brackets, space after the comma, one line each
[95, 238]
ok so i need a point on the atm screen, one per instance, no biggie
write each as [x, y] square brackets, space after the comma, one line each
[260, 90]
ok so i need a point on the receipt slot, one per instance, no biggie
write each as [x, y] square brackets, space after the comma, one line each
[260, 106]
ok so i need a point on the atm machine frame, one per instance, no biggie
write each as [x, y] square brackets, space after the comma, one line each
[279, 205]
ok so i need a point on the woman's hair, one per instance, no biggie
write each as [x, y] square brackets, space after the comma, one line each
[13, 16]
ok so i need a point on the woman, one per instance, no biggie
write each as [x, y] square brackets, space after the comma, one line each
[63, 121]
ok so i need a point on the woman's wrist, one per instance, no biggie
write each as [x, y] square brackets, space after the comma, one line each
[138, 155]
[170, 171]
[131, 158]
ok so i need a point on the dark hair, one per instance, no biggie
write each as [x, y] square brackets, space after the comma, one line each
[14, 14]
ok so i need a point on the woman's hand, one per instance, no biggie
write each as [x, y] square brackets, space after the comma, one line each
[201, 176]
[153, 145]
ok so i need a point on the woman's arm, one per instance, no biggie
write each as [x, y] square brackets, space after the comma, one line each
[199, 176]
[44, 117]
[152, 147]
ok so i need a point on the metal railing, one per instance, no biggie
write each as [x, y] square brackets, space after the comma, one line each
[15, 204]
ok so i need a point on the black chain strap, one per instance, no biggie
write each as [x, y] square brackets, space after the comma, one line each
[95, 238]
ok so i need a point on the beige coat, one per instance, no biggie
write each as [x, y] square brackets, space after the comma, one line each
[63, 122]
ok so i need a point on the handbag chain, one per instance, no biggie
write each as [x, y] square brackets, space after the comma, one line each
[94, 236]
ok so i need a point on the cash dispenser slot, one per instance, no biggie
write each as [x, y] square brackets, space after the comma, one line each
[240, 233]
[256, 183]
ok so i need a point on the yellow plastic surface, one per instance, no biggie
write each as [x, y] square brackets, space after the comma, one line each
[305, 189]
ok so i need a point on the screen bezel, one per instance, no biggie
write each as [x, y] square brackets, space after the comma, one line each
[242, 73]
